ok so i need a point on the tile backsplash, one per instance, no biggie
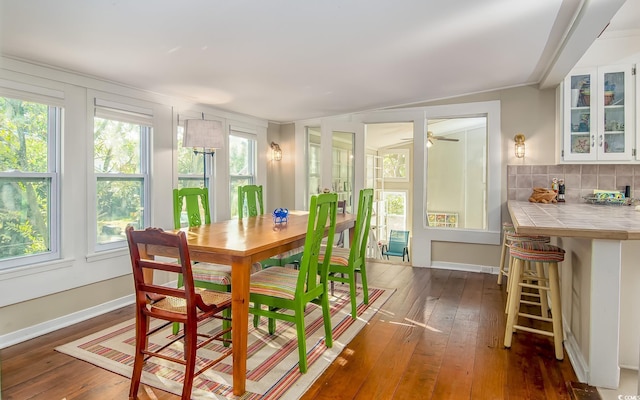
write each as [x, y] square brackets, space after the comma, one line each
[579, 179]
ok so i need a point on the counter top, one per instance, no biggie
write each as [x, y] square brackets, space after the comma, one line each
[576, 220]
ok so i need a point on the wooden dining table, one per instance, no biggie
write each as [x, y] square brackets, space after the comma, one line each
[240, 243]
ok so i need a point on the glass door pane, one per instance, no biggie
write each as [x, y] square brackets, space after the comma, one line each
[314, 166]
[581, 114]
[343, 167]
[613, 100]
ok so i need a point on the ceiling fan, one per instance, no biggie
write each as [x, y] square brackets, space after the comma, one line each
[431, 137]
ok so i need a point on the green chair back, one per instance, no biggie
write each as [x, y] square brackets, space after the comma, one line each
[196, 201]
[251, 196]
[358, 250]
[322, 210]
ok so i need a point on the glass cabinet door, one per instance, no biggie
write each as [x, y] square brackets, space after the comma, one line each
[596, 122]
[580, 127]
[614, 140]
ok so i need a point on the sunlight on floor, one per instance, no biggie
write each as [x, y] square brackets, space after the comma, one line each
[628, 389]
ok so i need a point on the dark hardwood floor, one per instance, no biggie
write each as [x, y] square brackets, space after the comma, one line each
[438, 337]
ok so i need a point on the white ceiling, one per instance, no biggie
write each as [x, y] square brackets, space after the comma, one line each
[292, 60]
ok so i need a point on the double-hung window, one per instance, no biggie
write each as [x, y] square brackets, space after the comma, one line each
[242, 163]
[190, 164]
[29, 180]
[121, 170]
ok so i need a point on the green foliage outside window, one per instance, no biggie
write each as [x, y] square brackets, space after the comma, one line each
[119, 186]
[24, 198]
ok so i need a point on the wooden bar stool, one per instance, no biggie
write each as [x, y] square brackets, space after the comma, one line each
[506, 227]
[539, 253]
[510, 236]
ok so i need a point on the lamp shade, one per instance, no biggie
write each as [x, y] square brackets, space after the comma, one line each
[203, 133]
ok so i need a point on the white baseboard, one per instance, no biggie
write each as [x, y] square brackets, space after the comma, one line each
[578, 362]
[33, 331]
[465, 267]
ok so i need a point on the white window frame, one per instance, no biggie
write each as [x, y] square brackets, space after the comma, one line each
[104, 105]
[54, 99]
[253, 162]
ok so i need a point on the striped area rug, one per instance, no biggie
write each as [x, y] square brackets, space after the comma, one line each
[272, 364]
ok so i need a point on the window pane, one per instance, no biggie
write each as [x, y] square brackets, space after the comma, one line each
[27, 206]
[396, 210]
[24, 216]
[242, 159]
[457, 198]
[116, 147]
[120, 163]
[119, 203]
[23, 136]
[239, 156]
[235, 182]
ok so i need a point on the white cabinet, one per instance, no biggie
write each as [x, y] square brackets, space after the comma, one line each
[598, 114]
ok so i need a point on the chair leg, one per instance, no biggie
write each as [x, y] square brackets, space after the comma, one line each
[256, 317]
[142, 327]
[352, 293]
[226, 324]
[190, 343]
[365, 288]
[302, 340]
[326, 316]
[272, 322]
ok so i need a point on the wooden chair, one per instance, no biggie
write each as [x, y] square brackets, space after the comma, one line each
[286, 288]
[186, 305]
[398, 245]
[250, 196]
[205, 275]
[346, 263]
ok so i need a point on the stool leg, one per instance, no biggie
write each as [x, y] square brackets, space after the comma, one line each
[503, 256]
[556, 310]
[511, 262]
[514, 302]
[544, 304]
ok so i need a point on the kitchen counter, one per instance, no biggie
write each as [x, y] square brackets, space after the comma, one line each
[606, 226]
[576, 220]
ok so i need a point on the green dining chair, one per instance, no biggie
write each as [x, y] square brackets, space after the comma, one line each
[346, 263]
[398, 245]
[195, 203]
[250, 204]
[250, 198]
[291, 289]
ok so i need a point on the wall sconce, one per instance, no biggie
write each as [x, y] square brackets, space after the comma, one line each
[201, 133]
[276, 152]
[519, 139]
